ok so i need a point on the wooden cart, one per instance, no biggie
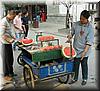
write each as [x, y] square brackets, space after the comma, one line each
[44, 65]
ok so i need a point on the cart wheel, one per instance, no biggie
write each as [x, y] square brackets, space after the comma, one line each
[20, 60]
[28, 76]
[63, 79]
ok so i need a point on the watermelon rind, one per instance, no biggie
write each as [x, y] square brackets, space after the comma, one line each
[27, 44]
[66, 55]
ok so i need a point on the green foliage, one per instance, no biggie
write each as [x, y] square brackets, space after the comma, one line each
[10, 6]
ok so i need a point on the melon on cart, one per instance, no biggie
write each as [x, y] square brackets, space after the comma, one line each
[45, 38]
[68, 53]
[27, 41]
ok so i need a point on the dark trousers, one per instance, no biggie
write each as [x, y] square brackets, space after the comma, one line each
[84, 67]
[7, 57]
[26, 28]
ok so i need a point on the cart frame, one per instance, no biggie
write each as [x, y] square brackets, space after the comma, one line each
[33, 70]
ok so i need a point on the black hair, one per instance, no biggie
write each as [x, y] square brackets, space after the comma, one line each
[11, 11]
[85, 14]
[25, 12]
[18, 11]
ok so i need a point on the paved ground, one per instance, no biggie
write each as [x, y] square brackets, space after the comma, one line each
[53, 84]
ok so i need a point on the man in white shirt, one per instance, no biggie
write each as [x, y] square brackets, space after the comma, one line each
[7, 38]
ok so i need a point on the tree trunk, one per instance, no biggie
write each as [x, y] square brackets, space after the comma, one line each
[67, 19]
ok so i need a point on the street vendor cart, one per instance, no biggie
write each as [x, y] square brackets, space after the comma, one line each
[43, 62]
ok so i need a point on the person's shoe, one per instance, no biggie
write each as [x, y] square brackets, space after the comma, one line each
[72, 81]
[8, 78]
[84, 82]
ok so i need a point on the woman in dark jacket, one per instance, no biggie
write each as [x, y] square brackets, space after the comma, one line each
[25, 20]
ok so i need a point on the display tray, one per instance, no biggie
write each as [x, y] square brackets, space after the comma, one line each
[39, 56]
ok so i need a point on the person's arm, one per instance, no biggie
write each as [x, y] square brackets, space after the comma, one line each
[89, 41]
[4, 34]
[8, 38]
[15, 25]
[85, 51]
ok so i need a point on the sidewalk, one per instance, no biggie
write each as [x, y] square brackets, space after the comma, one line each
[53, 28]
[47, 27]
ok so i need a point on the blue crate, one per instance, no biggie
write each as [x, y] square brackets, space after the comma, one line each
[69, 66]
[43, 72]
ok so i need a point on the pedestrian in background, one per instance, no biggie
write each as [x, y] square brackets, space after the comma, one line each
[17, 27]
[83, 41]
[7, 38]
[40, 13]
[18, 24]
[25, 20]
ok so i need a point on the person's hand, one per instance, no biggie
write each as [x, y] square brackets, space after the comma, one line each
[16, 40]
[69, 37]
[12, 40]
[83, 55]
[21, 30]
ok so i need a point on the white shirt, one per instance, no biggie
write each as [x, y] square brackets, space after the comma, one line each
[5, 29]
[18, 23]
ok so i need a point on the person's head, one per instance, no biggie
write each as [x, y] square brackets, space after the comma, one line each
[84, 17]
[25, 13]
[11, 14]
[18, 12]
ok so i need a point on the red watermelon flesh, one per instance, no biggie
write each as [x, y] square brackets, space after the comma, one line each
[21, 40]
[26, 41]
[66, 52]
[57, 46]
[43, 49]
[50, 47]
[44, 38]
[47, 48]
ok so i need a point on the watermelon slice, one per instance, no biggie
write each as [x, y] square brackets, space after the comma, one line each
[47, 48]
[50, 47]
[45, 38]
[27, 41]
[67, 52]
[57, 46]
[43, 49]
